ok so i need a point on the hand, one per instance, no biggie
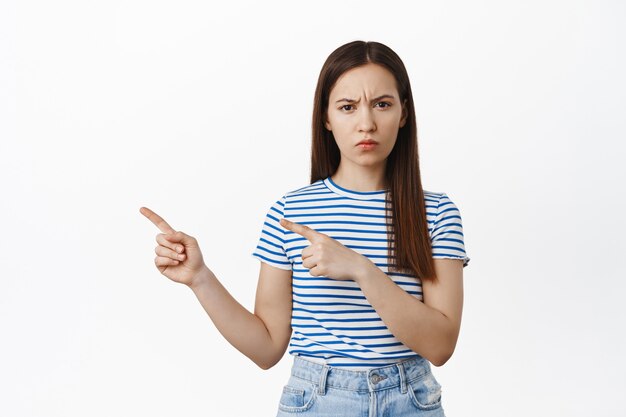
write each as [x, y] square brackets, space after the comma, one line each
[326, 256]
[178, 255]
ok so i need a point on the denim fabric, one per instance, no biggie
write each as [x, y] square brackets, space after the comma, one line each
[406, 388]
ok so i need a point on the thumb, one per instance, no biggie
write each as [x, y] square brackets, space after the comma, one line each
[179, 237]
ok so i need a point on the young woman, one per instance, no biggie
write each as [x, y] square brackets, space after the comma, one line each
[361, 270]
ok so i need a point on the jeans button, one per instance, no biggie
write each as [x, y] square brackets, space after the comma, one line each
[376, 378]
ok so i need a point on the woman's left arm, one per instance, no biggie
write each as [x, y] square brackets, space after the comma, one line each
[429, 328]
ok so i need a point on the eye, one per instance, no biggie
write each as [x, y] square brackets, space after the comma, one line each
[385, 103]
[346, 105]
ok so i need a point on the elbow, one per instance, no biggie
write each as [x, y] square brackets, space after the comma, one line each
[444, 353]
[440, 360]
[442, 356]
[271, 356]
[267, 362]
[268, 358]
[265, 365]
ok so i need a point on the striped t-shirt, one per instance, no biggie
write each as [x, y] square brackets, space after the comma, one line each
[332, 321]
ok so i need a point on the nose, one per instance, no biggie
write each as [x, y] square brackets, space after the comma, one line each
[366, 119]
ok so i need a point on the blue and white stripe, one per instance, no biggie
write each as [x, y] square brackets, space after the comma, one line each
[332, 321]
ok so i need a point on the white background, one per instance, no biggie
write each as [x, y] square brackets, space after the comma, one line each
[201, 111]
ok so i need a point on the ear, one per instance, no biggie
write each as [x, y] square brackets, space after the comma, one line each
[328, 126]
[405, 114]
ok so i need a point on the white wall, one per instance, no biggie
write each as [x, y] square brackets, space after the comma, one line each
[201, 111]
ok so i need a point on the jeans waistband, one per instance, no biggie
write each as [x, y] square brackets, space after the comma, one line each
[375, 379]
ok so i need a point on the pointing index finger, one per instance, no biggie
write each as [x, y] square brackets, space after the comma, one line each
[310, 234]
[157, 220]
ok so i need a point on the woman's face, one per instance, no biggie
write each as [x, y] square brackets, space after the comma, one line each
[365, 104]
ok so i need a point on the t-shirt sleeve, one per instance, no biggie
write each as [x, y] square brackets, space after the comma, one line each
[271, 245]
[447, 235]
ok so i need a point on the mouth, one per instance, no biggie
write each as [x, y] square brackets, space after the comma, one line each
[367, 145]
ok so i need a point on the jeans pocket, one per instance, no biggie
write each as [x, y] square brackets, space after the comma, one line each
[297, 396]
[425, 392]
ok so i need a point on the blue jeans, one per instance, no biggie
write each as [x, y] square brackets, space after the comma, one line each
[407, 388]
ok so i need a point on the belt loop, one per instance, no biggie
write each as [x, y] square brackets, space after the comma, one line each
[400, 366]
[322, 384]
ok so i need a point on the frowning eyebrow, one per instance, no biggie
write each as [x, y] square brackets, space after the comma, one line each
[350, 100]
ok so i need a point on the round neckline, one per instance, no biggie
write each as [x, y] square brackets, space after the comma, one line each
[359, 195]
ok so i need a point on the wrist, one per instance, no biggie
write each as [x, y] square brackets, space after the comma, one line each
[201, 278]
[363, 269]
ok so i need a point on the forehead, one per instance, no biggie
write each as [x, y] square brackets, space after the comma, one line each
[371, 79]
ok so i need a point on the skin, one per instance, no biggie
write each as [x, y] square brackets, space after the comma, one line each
[262, 336]
[368, 116]
[429, 328]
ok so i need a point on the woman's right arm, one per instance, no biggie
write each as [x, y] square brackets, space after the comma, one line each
[263, 336]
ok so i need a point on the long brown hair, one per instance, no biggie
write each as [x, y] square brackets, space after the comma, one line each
[405, 201]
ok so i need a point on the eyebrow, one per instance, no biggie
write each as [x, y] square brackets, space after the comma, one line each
[350, 100]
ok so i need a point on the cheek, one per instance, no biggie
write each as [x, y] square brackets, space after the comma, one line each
[340, 121]
[341, 128]
[390, 124]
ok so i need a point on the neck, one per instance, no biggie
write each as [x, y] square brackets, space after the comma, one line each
[360, 178]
